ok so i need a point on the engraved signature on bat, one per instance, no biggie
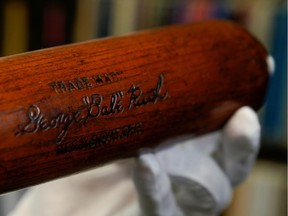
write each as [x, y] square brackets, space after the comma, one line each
[92, 108]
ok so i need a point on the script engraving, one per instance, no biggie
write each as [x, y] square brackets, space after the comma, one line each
[137, 99]
[92, 108]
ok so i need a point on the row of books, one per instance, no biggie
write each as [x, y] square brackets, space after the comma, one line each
[34, 24]
[31, 24]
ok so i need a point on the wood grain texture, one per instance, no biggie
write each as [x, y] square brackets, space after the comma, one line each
[71, 108]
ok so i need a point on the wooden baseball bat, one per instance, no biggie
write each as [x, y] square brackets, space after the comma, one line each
[75, 107]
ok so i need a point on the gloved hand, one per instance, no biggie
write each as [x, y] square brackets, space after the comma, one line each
[193, 177]
[196, 176]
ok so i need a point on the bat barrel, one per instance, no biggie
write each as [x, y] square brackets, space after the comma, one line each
[75, 107]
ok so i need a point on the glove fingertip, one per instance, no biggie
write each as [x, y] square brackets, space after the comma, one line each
[147, 163]
[244, 126]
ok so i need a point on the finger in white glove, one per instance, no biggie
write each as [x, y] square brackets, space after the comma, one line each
[154, 186]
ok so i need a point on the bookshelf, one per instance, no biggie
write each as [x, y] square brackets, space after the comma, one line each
[27, 25]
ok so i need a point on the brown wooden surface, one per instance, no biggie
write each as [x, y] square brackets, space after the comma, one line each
[150, 86]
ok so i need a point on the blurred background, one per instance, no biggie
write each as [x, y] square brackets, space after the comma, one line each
[27, 25]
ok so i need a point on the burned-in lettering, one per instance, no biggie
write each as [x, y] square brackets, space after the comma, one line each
[82, 83]
[92, 107]
[98, 139]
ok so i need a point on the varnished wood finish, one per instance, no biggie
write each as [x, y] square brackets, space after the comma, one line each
[192, 79]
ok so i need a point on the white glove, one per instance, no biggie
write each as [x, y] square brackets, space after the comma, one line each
[193, 177]
[105, 191]
[196, 176]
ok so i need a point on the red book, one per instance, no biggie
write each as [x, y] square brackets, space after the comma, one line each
[54, 23]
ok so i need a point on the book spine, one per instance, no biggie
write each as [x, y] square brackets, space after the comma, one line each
[54, 19]
[160, 10]
[198, 10]
[178, 7]
[260, 19]
[15, 27]
[35, 24]
[51, 23]
[86, 20]
[167, 14]
[146, 14]
[123, 19]
[104, 18]
[1, 26]
[70, 7]
[275, 112]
